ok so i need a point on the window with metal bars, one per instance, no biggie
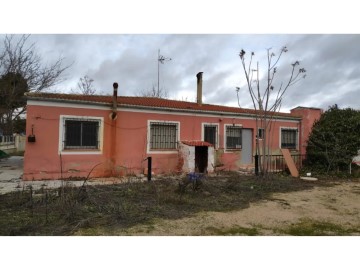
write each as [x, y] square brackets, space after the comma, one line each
[81, 134]
[260, 134]
[233, 137]
[210, 134]
[163, 136]
[288, 138]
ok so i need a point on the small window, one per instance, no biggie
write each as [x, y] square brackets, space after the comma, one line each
[288, 138]
[233, 137]
[210, 134]
[260, 134]
[81, 134]
[163, 136]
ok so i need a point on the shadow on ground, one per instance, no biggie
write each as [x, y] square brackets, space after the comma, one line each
[67, 209]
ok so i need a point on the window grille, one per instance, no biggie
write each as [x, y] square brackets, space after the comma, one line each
[288, 138]
[210, 134]
[81, 134]
[163, 136]
[233, 137]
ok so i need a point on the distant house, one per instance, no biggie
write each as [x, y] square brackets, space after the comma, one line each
[73, 135]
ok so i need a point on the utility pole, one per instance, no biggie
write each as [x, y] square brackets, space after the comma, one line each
[161, 60]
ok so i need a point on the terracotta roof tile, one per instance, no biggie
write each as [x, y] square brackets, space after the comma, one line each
[196, 143]
[151, 102]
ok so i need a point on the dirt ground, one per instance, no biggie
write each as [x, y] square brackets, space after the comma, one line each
[227, 204]
[338, 205]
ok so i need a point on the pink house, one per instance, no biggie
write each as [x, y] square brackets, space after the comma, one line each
[75, 135]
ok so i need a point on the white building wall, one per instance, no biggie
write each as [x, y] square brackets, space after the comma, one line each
[211, 160]
[188, 154]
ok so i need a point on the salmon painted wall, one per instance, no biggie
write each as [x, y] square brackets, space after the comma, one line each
[232, 159]
[309, 116]
[124, 143]
[42, 159]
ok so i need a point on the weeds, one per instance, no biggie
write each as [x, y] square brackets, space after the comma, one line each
[308, 227]
[67, 210]
[234, 231]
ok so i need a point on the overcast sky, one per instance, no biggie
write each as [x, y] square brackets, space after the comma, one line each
[130, 57]
[331, 62]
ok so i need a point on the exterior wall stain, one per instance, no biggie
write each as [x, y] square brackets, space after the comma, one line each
[211, 160]
[125, 144]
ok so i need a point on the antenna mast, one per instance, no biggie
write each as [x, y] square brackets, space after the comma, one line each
[161, 59]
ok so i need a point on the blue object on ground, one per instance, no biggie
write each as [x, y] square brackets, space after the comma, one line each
[194, 176]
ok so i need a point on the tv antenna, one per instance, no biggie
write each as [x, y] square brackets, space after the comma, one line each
[161, 59]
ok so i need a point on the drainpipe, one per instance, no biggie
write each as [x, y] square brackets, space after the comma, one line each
[113, 140]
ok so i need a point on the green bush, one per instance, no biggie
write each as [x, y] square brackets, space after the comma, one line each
[334, 140]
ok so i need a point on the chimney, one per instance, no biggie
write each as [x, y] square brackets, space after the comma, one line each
[199, 88]
[114, 107]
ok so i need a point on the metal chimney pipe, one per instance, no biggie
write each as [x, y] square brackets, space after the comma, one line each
[199, 88]
[114, 108]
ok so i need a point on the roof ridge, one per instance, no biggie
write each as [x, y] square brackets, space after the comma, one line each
[149, 102]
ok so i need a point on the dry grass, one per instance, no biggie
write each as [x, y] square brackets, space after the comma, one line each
[109, 208]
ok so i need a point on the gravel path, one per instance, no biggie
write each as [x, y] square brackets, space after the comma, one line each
[338, 204]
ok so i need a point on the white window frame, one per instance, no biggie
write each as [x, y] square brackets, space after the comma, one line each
[225, 138]
[217, 132]
[148, 149]
[297, 137]
[63, 151]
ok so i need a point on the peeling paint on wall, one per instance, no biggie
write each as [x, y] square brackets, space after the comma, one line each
[211, 160]
[41, 160]
[187, 153]
[187, 158]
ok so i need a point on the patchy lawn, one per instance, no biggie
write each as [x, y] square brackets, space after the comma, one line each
[228, 204]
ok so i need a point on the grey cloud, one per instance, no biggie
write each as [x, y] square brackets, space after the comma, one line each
[331, 62]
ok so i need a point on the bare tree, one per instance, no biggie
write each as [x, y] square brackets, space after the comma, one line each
[154, 92]
[267, 100]
[22, 70]
[85, 86]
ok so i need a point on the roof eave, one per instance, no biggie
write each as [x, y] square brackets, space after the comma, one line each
[144, 107]
[63, 100]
